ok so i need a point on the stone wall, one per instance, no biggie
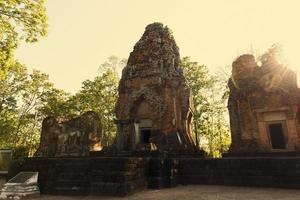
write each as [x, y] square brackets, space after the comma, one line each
[86, 175]
[117, 176]
[120, 176]
[258, 172]
[73, 137]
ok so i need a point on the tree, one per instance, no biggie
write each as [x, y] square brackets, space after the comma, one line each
[21, 99]
[100, 96]
[216, 124]
[209, 101]
[19, 20]
[37, 86]
[22, 19]
[113, 63]
[55, 103]
[12, 84]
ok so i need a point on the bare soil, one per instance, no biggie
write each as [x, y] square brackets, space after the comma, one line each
[193, 192]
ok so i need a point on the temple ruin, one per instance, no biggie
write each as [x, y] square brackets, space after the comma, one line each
[74, 137]
[263, 106]
[154, 148]
[155, 108]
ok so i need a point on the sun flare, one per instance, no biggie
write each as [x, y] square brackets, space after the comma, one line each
[289, 57]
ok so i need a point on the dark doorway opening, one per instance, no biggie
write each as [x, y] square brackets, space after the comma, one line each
[145, 135]
[277, 136]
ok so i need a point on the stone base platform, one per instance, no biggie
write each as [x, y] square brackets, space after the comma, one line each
[264, 154]
[117, 176]
[281, 172]
[120, 176]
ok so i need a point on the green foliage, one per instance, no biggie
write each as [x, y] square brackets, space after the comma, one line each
[19, 20]
[20, 101]
[20, 93]
[210, 125]
[25, 99]
[55, 103]
[100, 96]
[22, 19]
[12, 85]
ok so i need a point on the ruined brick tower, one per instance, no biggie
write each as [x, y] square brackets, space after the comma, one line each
[154, 109]
[263, 106]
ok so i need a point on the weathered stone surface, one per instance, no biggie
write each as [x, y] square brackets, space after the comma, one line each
[252, 171]
[6, 156]
[76, 137]
[263, 106]
[117, 176]
[124, 175]
[154, 108]
[23, 184]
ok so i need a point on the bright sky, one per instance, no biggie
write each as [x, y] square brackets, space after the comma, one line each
[83, 33]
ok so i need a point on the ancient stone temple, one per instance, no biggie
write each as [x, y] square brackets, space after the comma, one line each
[263, 106]
[154, 113]
[75, 137]
[154, 109]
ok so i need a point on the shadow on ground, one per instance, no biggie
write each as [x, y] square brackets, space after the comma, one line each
[199, 192]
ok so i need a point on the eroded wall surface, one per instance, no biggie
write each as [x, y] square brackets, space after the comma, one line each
[263, 106]
[75, 137]
[153, 96]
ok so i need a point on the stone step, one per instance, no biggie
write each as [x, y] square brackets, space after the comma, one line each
[115, 166]
[74, 169]
[72, 175]
[115, 179]
[73, 190]
[162, 182]
[117, 173]
[72, 183]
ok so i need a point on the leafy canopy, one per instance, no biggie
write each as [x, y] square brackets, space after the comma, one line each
[210, 127]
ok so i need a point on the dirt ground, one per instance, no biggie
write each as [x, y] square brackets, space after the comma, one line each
[199, 192]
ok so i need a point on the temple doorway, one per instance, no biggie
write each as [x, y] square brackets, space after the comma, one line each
[143, 130]
[276, 131]
[145, 136]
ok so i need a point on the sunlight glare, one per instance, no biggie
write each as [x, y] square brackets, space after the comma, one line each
[291, 59]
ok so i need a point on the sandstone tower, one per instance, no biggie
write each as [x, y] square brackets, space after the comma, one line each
[154, 109]
[263, 106]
